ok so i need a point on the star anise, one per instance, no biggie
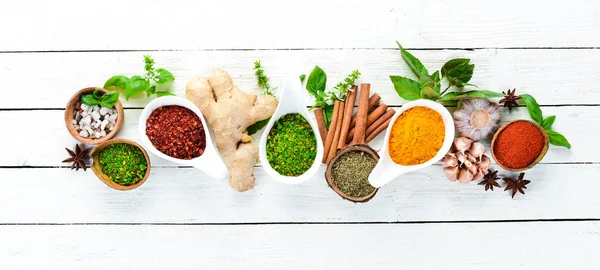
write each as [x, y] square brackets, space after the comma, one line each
[516, 185]
[510, 100]
[489, 180]
[78, 157]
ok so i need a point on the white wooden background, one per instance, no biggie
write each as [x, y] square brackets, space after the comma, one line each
[54, 218]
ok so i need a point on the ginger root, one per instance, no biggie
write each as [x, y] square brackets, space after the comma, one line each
[229, 111]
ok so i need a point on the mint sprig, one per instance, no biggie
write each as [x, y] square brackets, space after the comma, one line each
[145, 83]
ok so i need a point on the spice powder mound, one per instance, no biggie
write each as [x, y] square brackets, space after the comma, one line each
[176, 131]
[518, 145]
[416, 136]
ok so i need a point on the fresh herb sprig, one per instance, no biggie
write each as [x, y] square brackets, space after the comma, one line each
[144, 83]
[107, 100]
[535, 112]
[324, 99]
[263, 81]
[457, 72]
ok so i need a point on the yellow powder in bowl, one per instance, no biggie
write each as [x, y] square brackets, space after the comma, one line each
[416, 136]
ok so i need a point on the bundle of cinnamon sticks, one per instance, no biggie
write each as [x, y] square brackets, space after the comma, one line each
[342, 130]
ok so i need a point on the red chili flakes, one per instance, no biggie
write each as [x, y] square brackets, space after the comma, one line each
[176, 131]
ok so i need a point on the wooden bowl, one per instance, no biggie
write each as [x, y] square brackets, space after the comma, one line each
[357, 147]
[96, 165]
[540, 157]
[69, 112]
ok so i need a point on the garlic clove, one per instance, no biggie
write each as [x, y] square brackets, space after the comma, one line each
[451, 173]
[471, 158]
[461, 157]
[477, 149]
[472, 168]
[479, 175]
[462, 144]
[484, 165]
[464, 176]
[450, 161]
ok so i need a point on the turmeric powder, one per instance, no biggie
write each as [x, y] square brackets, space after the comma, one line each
[416, 136]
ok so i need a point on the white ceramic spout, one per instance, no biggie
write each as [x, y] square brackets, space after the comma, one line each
[386, 169]
[210, 162]
[291, 101]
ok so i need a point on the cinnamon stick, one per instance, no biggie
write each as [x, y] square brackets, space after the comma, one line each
[373, 100]
[321, 123]
[371, 118]
[349, 108]
[361, 114]
[338, 131]
[380, 125]
[331, 132]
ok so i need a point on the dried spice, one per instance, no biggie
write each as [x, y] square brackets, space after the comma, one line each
[350, 173]
[123, 163]
[416, 136]
[490, 180]
[518, 145]
[176, 131]
[510, 99]
[79, 157]
[291, 145]
[516, 185]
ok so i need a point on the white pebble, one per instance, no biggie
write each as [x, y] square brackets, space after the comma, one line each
[113, 118]
[86, 121]
[102, 133]
[97, 134]
[84, 107]
[104, 111]
[84, 133]
[103, 125]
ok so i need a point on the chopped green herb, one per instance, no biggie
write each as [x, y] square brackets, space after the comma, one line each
[351, 172]
[291, 145]
[123, 163]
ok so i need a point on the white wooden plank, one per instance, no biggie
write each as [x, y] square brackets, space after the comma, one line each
[187, 195]
[48, 80]
[38, 138]
[126, 25]
[562, 245]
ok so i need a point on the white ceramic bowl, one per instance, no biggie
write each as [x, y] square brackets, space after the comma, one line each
[210, 162]
[291, 101]
[386, 169]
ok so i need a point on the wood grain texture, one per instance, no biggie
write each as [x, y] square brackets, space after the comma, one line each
[140, 25]
[385, 246]
[554, 77]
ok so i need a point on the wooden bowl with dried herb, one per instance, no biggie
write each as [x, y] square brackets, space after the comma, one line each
[348, 172]
[519, 145]
[94, 123]
[121, 164]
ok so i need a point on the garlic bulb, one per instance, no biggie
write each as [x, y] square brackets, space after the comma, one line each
[476, 118]
[466, 161]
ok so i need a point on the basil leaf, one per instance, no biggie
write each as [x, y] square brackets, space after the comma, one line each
[90, 100]
[317, 80]
[426, 81]
[533, 107]
[110, 99]
[328, 114]
[97, 94]
[118, 82]
[257, 126]
[429, 93]
[413, 63]
[407, 89]
[558, 139]
[151, 90]
[548, 121]
[135, 86]
[454, 63]
[302, 77]
[436, 76]
[164, 93]
[474, 94]
[164, 76]
[450, 96]
[460, 75]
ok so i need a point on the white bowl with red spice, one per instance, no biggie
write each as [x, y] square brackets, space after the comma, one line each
[386, 169]
[174, 129]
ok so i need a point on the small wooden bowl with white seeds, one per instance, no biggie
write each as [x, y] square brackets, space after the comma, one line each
[74, 115]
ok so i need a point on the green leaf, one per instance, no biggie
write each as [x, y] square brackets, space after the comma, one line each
[257, 126]
[302, 77]
[454, 63]
[97, 94]
[429, 93]
[460, 75]
[151, 90]
[436, 76]
[327, 114]
[413, 63]
[473, 94]
[118, 82]
[110, 99]
[164, 93]
[426, 81]
[90, 100]
[558, 139]
[406, 88]
[135, 86]
[533, 107]
[548, 121]
[449, 96]
[317, 80]
[164, 76]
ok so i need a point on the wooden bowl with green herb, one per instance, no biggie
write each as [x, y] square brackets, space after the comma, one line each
[352, 189]
[121, 164]
[75, 105]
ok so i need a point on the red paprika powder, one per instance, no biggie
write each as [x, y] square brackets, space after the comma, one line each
[518, 145]
[176, 131]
